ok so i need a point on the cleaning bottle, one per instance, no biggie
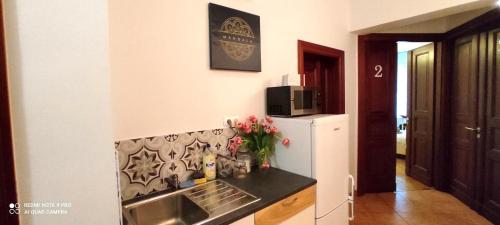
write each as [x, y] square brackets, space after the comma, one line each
[209, 166]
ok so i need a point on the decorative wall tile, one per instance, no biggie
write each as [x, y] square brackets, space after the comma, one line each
[193, 154]
[143, 166]
[145, 161]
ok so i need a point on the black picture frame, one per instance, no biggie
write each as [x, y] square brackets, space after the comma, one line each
[234, 39]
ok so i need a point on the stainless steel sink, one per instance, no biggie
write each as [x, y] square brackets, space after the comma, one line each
[176, 209]
[196, 205]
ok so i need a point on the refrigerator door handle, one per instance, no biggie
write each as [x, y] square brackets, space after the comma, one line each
[351, 210]
[351, 188]
[351, 198]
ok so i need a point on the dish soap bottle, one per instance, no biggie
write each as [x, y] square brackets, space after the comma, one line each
[209, 167]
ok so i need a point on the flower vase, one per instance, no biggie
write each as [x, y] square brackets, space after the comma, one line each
[263, 158]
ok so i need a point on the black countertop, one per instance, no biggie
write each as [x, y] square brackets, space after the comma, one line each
[270, 186]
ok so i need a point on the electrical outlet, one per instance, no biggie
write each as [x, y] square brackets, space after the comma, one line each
[229, 121]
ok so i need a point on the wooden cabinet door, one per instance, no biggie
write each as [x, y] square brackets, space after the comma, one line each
[312, 71]
[294, 210]
[491, 193]
[463, 118]
[304, 217]
[321, 73]
[421, 113]
[249, 220]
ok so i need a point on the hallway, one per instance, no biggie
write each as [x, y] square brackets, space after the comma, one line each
[413, 204]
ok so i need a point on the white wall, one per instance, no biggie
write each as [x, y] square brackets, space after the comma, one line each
[387, 14]
[402, 84]
[161, 80]
[61, 108]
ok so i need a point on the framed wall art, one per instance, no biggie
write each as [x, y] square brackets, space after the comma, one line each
[234, 39]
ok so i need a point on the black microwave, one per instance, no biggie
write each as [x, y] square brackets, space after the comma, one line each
[288, 101]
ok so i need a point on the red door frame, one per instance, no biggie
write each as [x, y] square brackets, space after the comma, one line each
[304, 47]
[8, 193]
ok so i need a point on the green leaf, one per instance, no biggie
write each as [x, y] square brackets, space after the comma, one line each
[266, 140]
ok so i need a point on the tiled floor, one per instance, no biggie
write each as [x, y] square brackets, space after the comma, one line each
[405, 183]
[413, 203]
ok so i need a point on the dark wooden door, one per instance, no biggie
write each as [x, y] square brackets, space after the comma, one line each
[421, 113]
[312, 70]
[321, 72]
[464, 118]
[377, 119]
[491, 191]
[8, 192]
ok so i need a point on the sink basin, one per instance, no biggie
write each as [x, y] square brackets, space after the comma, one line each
[196, 205]
[176, 209]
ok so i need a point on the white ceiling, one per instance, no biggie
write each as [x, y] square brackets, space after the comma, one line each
[439, 25]
[375, 16]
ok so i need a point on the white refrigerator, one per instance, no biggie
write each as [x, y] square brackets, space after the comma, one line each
[319, 149]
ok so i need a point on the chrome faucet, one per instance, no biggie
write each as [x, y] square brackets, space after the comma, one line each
[172, 181]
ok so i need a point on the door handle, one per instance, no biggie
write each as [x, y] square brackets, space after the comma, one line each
[478, 129]
[350, 200]
[289, 203]
[351, 188]
[351, 211]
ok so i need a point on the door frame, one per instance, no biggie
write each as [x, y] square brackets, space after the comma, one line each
[304, 47]
[439, 156]
[8, 192]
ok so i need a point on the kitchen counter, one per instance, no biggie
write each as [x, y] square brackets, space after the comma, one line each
[270, 186]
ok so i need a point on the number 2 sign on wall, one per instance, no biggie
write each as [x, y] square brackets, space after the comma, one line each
[378, 70]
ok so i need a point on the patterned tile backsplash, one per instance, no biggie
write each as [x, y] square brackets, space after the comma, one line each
[143, 162]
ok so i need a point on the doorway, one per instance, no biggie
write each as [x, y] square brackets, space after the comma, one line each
[378, 120]
[414, 102]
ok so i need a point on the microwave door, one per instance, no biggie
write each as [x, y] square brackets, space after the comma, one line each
[296, 108]
[303, 102]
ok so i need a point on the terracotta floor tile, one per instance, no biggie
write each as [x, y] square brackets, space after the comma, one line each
[387, 219]
[361, 218]
[371, 203]
[413, 203]
[404, 183]
[476, 218]
[435, 218]
[378, 219]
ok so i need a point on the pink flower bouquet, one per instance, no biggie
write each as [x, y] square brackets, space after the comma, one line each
[259, 137]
